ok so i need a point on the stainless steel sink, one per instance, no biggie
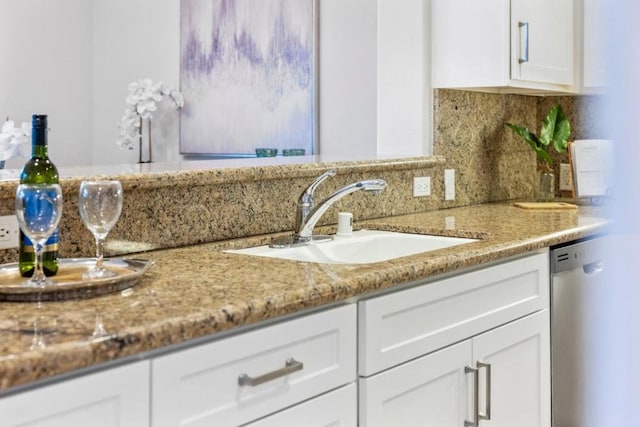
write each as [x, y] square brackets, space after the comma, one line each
[361, 247]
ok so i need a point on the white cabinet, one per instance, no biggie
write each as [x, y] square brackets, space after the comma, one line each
[403, 325]
[118, 397]
[520, 362]
[429, 391]
[591, 31]
[503, 45]
[420, 348]
[335, 409]
[239, 379]
[439, 389]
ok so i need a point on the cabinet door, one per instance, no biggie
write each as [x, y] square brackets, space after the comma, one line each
[542, 41]
[519, 355]
[470, 43]
[117, 397]
[338, 408]
[594, 44]
[431, 391]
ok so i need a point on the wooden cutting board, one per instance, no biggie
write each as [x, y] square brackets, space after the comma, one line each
[545, 205]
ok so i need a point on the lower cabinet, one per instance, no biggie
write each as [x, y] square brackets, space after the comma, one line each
[500, 378]
[429, 391]
[519, 355]
[470, 349]
[334, 409]
[117, 397]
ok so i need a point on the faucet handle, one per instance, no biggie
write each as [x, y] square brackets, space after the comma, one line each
[308, 193]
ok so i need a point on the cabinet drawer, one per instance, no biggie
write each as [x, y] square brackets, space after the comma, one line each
[116, 397]
[401, 326]
[338, 408]
[200, 386]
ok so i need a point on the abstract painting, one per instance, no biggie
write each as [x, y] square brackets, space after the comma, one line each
[247, 73]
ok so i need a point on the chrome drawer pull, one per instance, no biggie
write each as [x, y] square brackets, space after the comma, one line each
[525, 26]
[290, 367]
[487, 410]
[476, 397]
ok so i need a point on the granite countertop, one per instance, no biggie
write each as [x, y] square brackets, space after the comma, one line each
[199, 291]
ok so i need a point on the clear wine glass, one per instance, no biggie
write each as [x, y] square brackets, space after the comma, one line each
[100, 204]
[39, 209]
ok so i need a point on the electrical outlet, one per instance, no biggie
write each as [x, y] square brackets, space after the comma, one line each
[565, 177]
[8, 232]
[421, 186]
[449, 184]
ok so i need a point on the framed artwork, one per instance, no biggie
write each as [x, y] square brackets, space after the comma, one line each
[248, 76]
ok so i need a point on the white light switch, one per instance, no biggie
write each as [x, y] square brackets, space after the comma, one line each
[449, 184]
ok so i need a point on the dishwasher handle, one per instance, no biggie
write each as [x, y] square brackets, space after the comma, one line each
[593, 268]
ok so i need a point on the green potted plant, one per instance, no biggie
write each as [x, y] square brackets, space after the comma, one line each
[554, 134]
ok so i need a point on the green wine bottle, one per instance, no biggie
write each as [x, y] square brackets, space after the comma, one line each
[39, 170]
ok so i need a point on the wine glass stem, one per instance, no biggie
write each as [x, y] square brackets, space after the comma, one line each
[99, 253]
[38, 275]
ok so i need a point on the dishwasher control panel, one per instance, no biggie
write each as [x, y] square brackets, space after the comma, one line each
[576, 255]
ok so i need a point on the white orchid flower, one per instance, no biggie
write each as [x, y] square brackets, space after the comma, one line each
[141, 103]
[6, 147]
[14, 141]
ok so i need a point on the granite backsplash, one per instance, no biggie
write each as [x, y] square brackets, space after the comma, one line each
[217, 202]
[213, 201]
[491, 162]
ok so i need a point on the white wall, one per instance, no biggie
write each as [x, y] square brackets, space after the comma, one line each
[404, 77]
[45, 67]
[348, 76]
[375, 95]
[134, 39]
[373, 70]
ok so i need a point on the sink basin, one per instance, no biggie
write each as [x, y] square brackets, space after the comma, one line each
[361, 247]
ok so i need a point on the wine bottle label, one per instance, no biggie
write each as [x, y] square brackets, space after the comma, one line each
[50, 246]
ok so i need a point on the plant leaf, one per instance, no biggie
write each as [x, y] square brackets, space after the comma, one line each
[561, 132]
[528, 136]
[549, 125]
[533, 141]
[542, 154]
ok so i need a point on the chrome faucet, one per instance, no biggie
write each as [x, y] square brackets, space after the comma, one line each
[306, 202]
[307, 214]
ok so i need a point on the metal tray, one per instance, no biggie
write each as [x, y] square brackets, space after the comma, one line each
[68, 282]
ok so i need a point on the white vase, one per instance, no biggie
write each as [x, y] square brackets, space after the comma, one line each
[145, 142]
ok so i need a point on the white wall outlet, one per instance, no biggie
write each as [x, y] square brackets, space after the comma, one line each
[565, 177]
[8, 232]
[449, 184]
[421, 186]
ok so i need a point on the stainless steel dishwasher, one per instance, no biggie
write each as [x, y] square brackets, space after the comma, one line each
[576, 273]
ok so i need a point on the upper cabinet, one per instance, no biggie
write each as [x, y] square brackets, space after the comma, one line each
[590, 15]
[519, 46]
